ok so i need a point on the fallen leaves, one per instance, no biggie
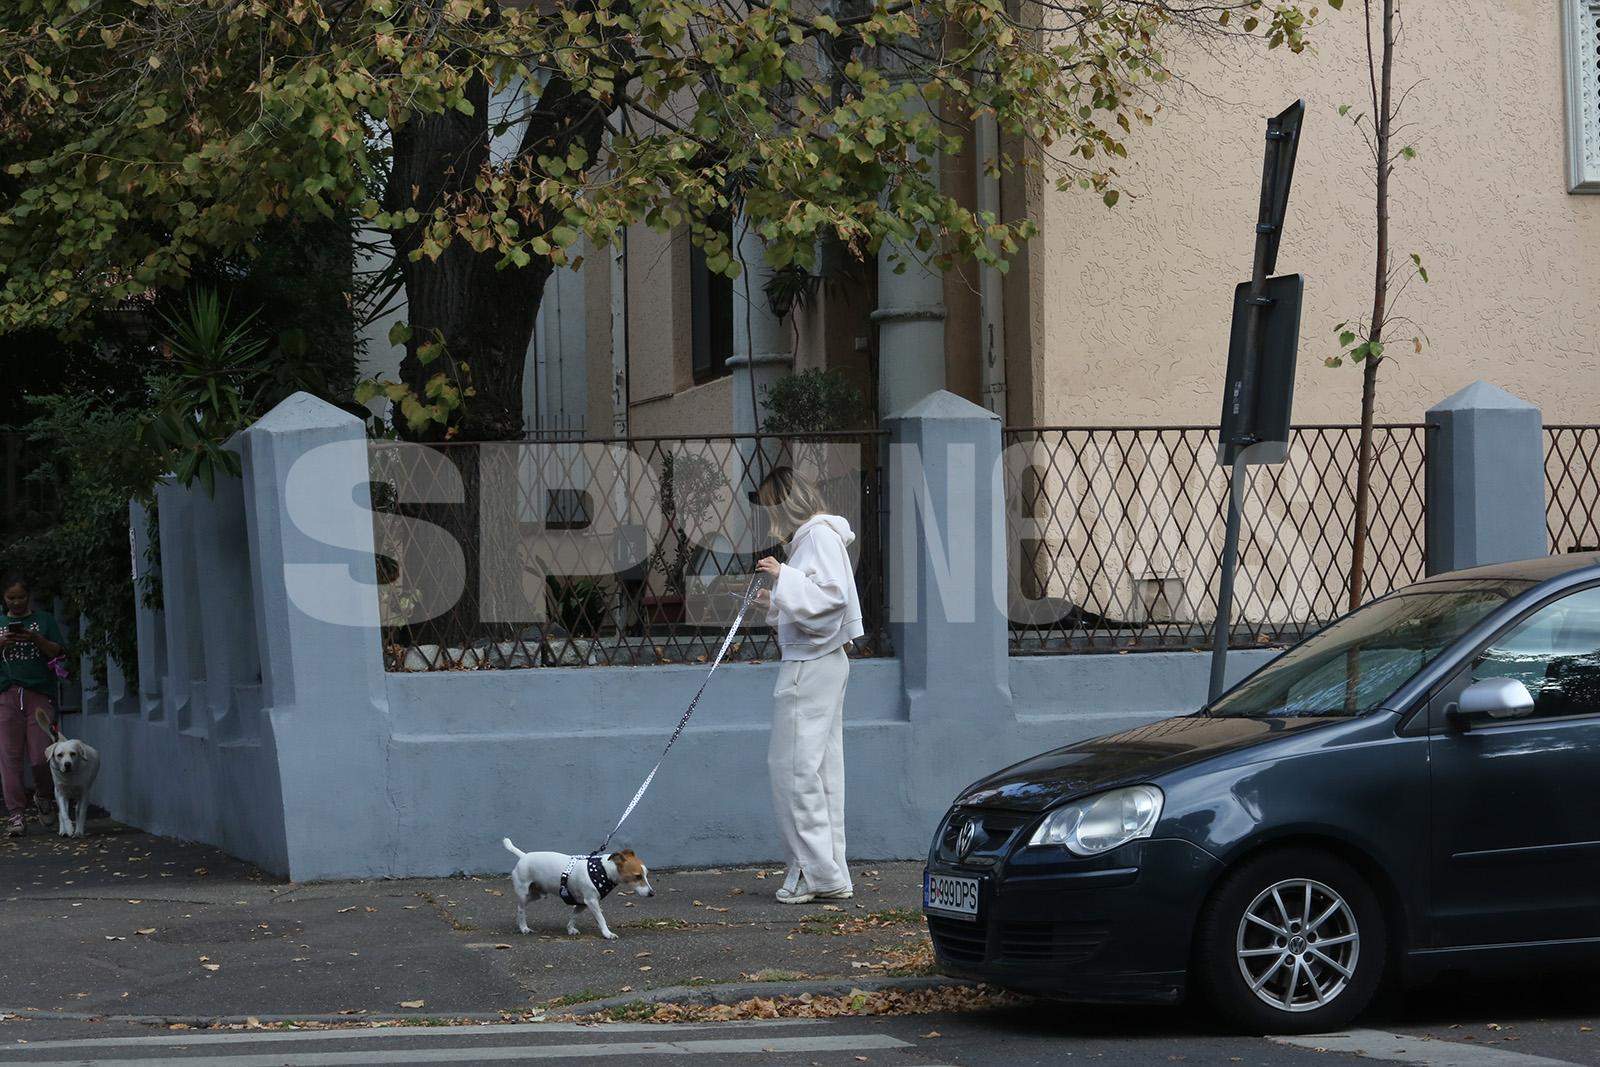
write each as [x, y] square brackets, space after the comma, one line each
[412, 1003]
[856, 1002]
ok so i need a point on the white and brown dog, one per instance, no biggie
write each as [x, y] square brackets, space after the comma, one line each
[580, 881]
[73, 766]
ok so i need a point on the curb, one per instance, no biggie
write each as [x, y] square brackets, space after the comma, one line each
[201, 1021]
[706, 995]
[736, 992]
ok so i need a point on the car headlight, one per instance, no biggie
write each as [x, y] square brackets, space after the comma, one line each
[1098, 824]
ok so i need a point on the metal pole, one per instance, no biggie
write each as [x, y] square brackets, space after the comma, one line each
[1230, 562]
[1243, 402]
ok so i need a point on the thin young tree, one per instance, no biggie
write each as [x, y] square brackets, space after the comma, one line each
[1362, 340]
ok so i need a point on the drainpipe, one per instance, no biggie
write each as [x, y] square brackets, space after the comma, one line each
[761, 349]
[991, 296]
[910, 320]
[619, 335]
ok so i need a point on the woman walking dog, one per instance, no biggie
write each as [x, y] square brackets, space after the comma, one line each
[29, 640]
[813, 605]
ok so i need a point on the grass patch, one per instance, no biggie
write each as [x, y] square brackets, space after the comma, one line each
[583, 996]
[829, 922]
[658, 924]
[635, 1012]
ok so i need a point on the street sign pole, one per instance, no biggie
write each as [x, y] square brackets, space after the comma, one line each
[1277, 169]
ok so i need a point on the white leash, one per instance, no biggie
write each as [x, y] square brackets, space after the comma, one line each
[744, 606]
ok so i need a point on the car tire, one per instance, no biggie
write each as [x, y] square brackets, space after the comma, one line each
[1266, 968]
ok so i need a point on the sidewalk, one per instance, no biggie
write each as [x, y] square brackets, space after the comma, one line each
[123, 923]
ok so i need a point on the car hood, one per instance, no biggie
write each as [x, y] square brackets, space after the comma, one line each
[1137, 755]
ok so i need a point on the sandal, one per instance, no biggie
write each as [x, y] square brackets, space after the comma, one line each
[15, 827]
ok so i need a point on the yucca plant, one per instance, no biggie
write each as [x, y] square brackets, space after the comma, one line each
[209, 383]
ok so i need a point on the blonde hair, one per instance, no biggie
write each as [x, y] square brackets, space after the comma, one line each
[790, 500]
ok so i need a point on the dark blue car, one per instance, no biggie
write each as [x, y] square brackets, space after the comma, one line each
[1414, 789]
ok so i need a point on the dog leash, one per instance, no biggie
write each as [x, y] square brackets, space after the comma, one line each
[744, 606]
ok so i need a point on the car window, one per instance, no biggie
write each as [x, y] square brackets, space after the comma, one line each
[1354, 665]
[1555, 652]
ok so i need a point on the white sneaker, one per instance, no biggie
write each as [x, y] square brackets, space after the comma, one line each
[800, 894]
[834, 894]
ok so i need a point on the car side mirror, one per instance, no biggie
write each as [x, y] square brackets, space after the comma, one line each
[1491, 699]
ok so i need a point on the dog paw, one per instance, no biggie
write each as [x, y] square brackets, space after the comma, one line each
[609, 936]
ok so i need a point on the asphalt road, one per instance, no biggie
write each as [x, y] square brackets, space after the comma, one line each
[1531, 1024]
[912, 1041]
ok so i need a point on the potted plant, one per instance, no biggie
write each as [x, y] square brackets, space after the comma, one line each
[577, 607]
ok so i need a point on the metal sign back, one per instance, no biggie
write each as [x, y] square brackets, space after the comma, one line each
[1268, 412]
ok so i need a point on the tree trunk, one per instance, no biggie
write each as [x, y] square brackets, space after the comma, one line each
[1382, 122]
[485, 316]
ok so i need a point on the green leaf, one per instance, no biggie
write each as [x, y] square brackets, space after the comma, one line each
[1111, 197]
[1346, 339]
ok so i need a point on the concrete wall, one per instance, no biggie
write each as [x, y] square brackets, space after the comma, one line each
[1134, 301]
[267, 725]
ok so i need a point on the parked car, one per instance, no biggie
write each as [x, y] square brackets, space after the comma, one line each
[1415, 788]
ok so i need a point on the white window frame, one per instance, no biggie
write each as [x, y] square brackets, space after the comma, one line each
[1580, 24]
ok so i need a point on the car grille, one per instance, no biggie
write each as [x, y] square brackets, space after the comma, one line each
[1055, 944]
[1047, 942]
[958, 941]
[996, 829]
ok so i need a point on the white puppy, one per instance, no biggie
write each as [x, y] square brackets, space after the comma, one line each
[573, 879]
[73, 766]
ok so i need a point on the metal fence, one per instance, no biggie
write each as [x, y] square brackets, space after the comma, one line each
[627, 551]
[1572, 488]
[1115, 534]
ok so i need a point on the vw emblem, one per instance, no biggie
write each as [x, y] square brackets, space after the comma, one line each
[965, 839]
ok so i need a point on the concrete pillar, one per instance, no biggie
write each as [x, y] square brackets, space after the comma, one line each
[1485, 480]
[148, 627]
[763, 351]
[309, 521]
[945, 554]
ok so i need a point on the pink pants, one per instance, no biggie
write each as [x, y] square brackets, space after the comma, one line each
[20, 735]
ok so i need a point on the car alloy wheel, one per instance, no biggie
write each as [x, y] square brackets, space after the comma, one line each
[1298, 945]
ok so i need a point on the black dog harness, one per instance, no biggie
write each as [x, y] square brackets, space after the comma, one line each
[597, 874]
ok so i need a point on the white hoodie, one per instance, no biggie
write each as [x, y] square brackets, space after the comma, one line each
[814, 604]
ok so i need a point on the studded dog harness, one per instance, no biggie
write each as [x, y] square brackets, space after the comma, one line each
[597, 874]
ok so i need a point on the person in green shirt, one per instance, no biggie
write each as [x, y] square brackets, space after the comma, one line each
[29, 640]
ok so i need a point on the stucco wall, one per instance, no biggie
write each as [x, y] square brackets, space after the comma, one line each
[1135, 300]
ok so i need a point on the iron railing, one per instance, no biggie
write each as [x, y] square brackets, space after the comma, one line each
[626, 551]
[1115, 534]
[1572, 488]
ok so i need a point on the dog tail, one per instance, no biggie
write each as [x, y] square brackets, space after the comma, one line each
[513, 849]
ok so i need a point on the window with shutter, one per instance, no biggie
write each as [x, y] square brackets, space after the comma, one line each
[1582, 39]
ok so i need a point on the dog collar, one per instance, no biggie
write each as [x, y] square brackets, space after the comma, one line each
[597, 875]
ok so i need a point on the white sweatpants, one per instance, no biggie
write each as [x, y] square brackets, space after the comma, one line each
[806, 762]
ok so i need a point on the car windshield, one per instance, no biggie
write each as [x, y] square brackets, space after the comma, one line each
[1356, 663]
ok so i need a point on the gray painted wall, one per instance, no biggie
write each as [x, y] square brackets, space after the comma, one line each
[265, 723]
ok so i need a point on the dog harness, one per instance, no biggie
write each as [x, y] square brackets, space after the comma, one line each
[597, 874]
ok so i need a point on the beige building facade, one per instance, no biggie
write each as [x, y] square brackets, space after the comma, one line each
[1120, 316]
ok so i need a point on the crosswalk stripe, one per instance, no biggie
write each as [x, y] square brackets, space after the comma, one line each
[482, 1054]
[1423, 1051]
[186, 1039]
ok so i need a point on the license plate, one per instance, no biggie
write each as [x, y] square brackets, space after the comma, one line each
[949, 895]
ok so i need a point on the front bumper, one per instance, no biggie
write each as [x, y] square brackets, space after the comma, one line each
[1116, 928]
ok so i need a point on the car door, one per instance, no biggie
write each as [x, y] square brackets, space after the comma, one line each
[1515, 806]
